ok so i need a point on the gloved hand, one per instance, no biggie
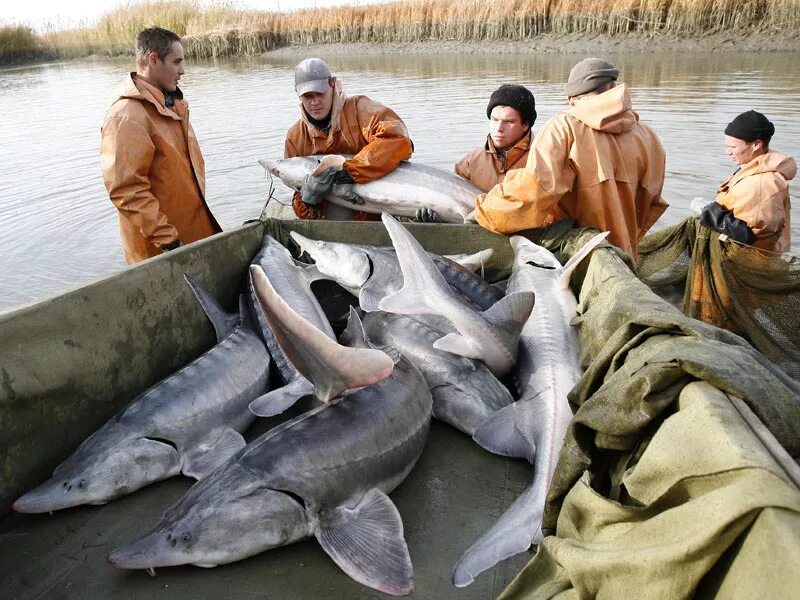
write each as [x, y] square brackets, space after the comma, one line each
[427, 215]
[344, 188]
[316, 186]
[170, 246]
[719, 219]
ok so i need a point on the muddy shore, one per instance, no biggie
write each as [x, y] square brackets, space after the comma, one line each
[574, 44]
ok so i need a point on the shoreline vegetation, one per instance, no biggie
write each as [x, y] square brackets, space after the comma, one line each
[410, 25]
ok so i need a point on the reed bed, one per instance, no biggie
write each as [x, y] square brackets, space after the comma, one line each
[222, 29]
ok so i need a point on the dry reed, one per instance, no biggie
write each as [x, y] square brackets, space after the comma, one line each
[224, 30]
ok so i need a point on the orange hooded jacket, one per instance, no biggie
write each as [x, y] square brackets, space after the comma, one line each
[154, 171]
[595, 163]
[486, 167]
[373, 133]
[758, 194]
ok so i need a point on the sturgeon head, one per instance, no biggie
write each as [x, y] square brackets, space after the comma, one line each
[347, 265]
[109, 464]
[291, 171]
[224, 518]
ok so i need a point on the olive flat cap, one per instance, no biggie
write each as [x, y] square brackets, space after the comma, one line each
[588, 75]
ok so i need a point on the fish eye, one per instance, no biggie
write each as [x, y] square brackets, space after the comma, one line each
[186, 537]
[82, 483]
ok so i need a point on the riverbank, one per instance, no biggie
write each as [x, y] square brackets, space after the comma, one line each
[556, 44]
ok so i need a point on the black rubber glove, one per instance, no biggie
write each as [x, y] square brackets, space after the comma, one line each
[427, 215]
[316, 186]
[170, 246]
[719, 219]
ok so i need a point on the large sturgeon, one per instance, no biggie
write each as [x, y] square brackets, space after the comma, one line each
[372, 272]
[189, 423]
[291, 280]
[491, 336]
[325, 473]
[533, 427]
[401, 192]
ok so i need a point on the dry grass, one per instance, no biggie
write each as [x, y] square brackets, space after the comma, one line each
[224, 30]
[18, 42]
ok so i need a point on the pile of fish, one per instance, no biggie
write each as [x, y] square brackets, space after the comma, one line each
[425, 337]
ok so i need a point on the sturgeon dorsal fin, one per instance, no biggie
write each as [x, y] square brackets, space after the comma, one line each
[224, 323]
[354, 334]
[331, 367]
[422, 280]
[367, 543]
[499, 434]
[569, 266]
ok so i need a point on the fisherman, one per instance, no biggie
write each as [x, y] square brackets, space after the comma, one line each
[333, 123]
[152, 165]
[752, 206]
[511, 113]
[595, 163]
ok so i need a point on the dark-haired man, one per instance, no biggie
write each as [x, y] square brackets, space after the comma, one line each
[595, 163]
[152, 165]
[511, 112]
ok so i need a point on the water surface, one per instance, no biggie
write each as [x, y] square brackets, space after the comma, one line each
[58, 228]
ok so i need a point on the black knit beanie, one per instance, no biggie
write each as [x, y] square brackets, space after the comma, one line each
[515, 96]
[751, 126]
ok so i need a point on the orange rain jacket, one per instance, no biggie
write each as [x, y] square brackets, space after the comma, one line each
[373, 133]
[154, 171]
[595, 163]
[758, 194]
[486, 166]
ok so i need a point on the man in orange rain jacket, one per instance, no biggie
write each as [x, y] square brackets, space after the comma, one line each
[333, 123]
[152, 165]
[752, 206]
[595, 163]
[511, 113]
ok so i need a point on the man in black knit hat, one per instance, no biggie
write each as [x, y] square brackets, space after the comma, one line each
[752, 206]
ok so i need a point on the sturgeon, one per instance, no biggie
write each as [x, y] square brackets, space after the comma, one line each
[188, 423]
[372, 272]
[534, 427]
[291, 280]
[401, 192]
[491, 336]
[325, 473]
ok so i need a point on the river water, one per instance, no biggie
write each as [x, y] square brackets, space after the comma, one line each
[59, 229]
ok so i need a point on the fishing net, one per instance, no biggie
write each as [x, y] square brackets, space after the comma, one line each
[730, 285]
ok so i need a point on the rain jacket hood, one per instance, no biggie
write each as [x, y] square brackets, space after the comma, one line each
[486, 167]
[373, 133]
[758, 194]
[153, 170]
[595, 163]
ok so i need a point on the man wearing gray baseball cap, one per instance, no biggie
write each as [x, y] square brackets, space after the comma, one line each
[333, 123]
[595, 163]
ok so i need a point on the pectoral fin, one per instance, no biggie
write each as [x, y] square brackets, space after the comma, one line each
[499, 434]
[367, 543]
[455, 343]
[206, 456]
[278, 400]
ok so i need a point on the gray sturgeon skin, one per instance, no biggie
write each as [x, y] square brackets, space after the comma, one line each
[401, 192]
[373, 272]
[324, 473]
[465, 393]
[188, 423]
[535, 425]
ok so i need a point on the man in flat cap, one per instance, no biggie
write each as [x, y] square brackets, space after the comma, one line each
[752, 206]
[595, 163]
[333, 123]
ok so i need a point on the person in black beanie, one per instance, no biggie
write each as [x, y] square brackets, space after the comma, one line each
[752, 206]
[511, 112]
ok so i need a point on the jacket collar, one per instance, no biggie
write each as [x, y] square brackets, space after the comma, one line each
[609, 112]
[522, 145]
[136, 88]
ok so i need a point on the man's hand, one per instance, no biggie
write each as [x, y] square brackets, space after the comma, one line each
[427, 215]
[170, 246]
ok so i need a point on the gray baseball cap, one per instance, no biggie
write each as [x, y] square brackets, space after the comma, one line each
[588, 75]
[311, 75]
